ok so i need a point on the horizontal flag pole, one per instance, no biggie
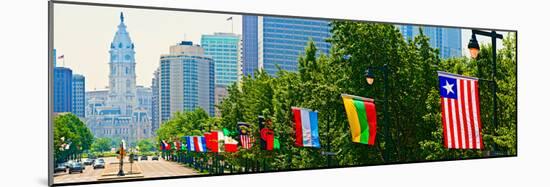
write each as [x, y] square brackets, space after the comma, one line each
[357, 97]
[456, 75]
[295, 107]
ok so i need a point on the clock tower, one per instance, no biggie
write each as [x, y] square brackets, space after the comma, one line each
[122, 76]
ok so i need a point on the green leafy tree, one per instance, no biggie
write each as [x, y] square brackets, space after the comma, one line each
[101, 145]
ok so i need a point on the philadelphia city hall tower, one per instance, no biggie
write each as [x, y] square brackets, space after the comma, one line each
[115, 113]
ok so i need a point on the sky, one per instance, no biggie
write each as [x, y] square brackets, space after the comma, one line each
[83, 35]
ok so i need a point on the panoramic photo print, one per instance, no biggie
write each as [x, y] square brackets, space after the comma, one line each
[149, 94]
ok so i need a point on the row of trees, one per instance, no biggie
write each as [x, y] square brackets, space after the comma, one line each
[414, 117]
[71, 137]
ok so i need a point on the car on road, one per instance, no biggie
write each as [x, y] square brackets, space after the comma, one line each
[155, 158]
[135, 157]
[88, 161]
[144, 157]
[69, 163]
[60, 168]
[99, 163]
[76, 167]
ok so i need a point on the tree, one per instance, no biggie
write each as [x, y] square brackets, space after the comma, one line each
[68, 129]
[146, 145]
[101, 145]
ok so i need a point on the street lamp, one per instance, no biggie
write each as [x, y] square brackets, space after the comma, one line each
[474, 50]
[473, 46]
[369, 76]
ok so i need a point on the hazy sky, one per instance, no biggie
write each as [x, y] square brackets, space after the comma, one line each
[83, 35]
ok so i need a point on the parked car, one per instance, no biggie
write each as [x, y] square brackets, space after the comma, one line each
[155, 158]
[69, 163]
[88, 161]
[60, 168]
[99, 163]
[143, 157]
[76, 167]
[135, 157]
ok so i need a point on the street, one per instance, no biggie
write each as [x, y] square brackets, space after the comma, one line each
[150, 169]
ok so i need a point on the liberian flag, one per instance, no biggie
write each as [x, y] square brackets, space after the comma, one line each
[361, 114]
[190, 143]
[199, 143]
[460, 111]
[306, 126]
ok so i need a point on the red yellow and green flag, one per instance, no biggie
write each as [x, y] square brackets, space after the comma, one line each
[361, 114]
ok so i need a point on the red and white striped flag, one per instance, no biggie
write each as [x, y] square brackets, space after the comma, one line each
[246, 143]
[460, 113]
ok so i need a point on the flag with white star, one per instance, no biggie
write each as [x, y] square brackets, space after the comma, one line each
[460, 111]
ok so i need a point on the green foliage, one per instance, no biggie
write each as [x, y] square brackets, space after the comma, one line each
[101, 145]
[413, 119]
[146, 145]
[67, 128]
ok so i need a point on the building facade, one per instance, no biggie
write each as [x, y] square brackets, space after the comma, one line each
[280, 41]
[155, 101]
[62, 89]
[186, 80]
[121, 111]
[78, 95]
[225, 50]
[447, 40]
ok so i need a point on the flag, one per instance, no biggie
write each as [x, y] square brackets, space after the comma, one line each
[190, 143]
[215, 139]
[209, 140]
[61, 57]
[460, 113]
[266, 134]
[276, 144]
[307, 128]
[199, 143]
[230, 145]
[361, 113]
[166, 145]
[162, 146]
[244, 130]
[229, 18]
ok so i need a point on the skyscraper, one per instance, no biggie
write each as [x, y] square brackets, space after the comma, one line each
[155, 104]
[78, 95]
[62, 89]
[186, 80]
[224, 49]
[447, 40]
[280, 41]
[122, 77]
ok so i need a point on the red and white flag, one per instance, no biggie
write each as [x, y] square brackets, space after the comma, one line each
[460, 113]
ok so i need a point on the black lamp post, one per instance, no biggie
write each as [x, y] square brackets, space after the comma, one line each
[474, 51]
[369, 76]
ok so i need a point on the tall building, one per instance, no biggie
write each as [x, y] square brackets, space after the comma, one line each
[447, 40]
[269, 42]
[62, 89]
[155, 104]
[121, 111]
[143, 99]
[78, 95]
[224, 49]
[122, 76]
[186, 80]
